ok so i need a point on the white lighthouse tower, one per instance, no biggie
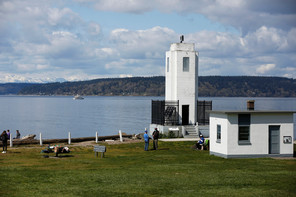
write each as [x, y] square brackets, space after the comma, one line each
[177, 114]
[181, 82]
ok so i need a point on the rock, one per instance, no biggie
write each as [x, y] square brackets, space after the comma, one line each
[140, 136]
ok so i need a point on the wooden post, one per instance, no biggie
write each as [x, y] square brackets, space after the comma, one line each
[69, 138]
[120, 136]
[41, 139]
[11, 144]
[97, 138]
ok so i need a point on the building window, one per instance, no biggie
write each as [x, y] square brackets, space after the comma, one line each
[185, 64]
[244, 121]
[168, 64]
[218, 133]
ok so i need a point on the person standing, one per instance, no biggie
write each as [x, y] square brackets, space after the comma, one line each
[4, 138]
[146, 139]
[8, 134]
[155, 138]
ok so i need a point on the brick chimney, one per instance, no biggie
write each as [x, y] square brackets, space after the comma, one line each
[250, 104]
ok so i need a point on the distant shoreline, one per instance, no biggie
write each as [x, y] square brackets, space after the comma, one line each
[208, 86]
[24, 95]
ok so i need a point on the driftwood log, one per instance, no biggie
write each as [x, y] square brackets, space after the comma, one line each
[51, 141]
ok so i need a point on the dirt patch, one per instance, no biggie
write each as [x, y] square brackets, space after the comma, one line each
[125, 141]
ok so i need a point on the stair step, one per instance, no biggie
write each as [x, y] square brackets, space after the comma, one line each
[190, 132]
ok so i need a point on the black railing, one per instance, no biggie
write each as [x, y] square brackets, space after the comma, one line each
[157, 112]
[202, 112]
[165, 112]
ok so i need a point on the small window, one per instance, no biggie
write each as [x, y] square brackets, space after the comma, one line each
[244, 121]
[218, 133]
[168, 64]
[185, 64]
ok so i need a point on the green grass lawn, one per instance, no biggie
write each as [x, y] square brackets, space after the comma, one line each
[127, 170]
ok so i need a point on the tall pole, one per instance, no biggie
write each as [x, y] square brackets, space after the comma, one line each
[69, 138]
[41, 139]
[120, 135]
[97, 137]
[11, 144]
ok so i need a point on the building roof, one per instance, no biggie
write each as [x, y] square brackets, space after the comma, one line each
[250, 111]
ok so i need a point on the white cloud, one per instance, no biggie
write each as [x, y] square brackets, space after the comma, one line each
[244, 15]
[64, 17]
[50, 39]
[131, 6]
[94, 29]
[265, 68]
[149, 43]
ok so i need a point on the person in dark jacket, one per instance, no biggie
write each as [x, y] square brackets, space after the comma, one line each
[4, 138]
[18, 135]
[155, 138]
[8, 134]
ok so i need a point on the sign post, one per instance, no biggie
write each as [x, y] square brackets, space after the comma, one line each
[101, 149]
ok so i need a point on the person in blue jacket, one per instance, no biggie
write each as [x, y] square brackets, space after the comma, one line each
[200, 142]
[146, 138]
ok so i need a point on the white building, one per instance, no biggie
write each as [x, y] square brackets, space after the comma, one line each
[178, 113]
[181, 82]
[240, 134]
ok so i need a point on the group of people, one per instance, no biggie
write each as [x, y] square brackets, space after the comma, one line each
[155, 136]
[6, 136]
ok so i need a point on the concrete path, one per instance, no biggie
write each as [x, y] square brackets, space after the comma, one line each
[179, 139]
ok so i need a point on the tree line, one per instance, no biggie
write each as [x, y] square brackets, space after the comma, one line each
[209, 86]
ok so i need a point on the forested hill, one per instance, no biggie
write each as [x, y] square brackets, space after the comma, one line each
[12, 88]
[209, 86]
[247, 86]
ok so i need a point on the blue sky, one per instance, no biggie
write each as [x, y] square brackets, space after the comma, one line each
[46, 41]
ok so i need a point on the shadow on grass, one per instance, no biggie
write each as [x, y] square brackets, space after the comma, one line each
[57, 157]
[14, 152]
[159, 149]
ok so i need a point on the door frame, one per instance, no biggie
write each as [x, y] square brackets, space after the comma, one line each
[185, 114]
[278, 141]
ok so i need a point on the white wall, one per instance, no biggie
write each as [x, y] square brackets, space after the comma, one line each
[182, 86]
[220, 119]
[259, 133]
[261, 122]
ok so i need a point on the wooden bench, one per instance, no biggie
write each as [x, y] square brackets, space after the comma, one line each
[100, 149]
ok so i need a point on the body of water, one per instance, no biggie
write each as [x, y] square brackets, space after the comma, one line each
[55, 116]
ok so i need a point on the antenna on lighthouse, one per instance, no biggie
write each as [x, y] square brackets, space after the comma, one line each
[181, 38]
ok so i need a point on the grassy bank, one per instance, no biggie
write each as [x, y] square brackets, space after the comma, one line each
[127, 170]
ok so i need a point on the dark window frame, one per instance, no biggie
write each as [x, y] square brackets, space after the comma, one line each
[186, 62]
[218, 133]
[244, 129]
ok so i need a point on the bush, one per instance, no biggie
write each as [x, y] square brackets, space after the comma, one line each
[162, 135]
[171, 134]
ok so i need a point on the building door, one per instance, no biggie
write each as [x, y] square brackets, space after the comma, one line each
[274, 139]
[185, 114]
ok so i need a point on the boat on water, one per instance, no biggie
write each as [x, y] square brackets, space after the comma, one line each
[78, 97]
